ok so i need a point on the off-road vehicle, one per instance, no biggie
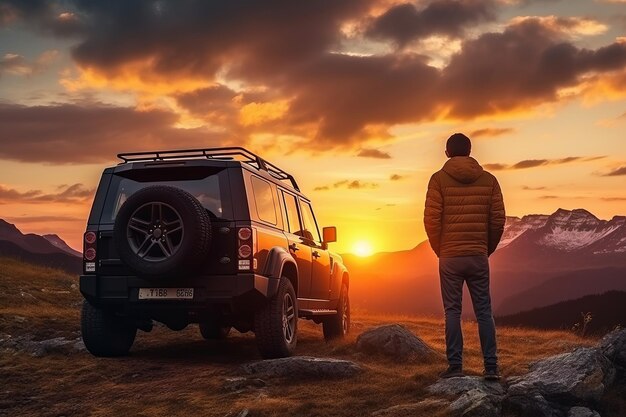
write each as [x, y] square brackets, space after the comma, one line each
[218, 237]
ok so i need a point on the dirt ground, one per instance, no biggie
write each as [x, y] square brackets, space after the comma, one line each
[178, 373]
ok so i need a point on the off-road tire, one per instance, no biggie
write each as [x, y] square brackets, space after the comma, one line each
[268, 324]
[214, 331]
[104, 333]
[193, 249]
[334, 326]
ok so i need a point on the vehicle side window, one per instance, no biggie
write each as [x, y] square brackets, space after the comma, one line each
[264, 199]
[291, 208]
[310, 225]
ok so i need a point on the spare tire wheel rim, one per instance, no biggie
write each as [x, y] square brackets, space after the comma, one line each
[155, 231]
[289, 318]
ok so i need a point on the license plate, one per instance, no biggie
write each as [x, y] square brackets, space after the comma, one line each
[165, 293]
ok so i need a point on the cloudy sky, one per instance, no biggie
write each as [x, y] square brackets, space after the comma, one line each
[355, 97]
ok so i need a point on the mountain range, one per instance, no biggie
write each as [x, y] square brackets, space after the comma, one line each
[541, 260]
[46, 250]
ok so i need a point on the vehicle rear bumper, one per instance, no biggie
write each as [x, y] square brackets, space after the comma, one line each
[239, 292]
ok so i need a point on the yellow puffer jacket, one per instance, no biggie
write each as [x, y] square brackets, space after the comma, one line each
[464, 214]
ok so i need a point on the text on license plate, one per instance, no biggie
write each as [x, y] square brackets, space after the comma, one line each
[166, 293]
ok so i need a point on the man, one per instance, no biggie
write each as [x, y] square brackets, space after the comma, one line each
[464, 219]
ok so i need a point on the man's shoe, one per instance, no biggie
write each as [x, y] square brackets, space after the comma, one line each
[491, 374]
[452, 372]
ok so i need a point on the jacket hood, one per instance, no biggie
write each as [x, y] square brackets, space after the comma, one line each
[464, 169]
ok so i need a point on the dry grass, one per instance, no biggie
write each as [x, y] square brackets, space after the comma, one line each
[178, 373]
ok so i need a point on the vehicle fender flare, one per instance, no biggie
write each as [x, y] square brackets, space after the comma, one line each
[280, 263]
[339, 276]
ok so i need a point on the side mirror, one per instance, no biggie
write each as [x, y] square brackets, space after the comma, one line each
[330, 234]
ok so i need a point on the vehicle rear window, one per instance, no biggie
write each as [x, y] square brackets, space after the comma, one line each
[211, 191]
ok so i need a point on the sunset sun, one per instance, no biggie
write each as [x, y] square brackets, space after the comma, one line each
[362, 248]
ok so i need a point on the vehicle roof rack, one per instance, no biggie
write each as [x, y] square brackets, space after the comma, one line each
[228, 153]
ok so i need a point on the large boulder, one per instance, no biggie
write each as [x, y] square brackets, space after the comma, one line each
[395, 342]
[613, 346]
[570, 378]
[530, 404]
[304, 367]
[452, 387]
[27, 344]
[582, 412]
[474, 397]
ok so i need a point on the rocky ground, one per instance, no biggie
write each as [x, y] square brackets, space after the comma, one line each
[382, 369]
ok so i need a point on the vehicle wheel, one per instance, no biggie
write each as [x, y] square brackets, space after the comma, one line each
[104, 333]
[162, 230]
[276, 325]
[337, 326]
[213, 331]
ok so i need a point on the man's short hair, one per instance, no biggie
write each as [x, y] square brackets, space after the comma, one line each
[458, 145]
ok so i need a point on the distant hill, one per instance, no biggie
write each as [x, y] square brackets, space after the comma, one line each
[571, 285]
[39, 250]
[542, 259]
[61, 244]
[607, 312]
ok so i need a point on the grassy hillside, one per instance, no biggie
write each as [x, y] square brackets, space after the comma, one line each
[178, 373]
[607, 311]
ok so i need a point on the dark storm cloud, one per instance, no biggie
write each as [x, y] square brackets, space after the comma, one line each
[349, 184]
[88, 133]
[47, 16]
[616, 172]
[491, 132]
[533, 163]
[343, 94]
[529, 163]
[495, 167]
[198, 37]
[373, 153]
[404, 23]
[521, 67]
[549, 197]
[43, 219]
[74, 193]
[18, 65]
[287, 50]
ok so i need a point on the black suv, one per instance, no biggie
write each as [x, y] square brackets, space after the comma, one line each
[218, 237]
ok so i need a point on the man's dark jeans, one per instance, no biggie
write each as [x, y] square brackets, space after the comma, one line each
[474, 270]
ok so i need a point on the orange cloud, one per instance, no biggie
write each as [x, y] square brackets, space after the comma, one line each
[75, 193]
[136, 77]
[491, 132]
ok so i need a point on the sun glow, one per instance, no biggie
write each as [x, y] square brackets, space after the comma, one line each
[362, 248]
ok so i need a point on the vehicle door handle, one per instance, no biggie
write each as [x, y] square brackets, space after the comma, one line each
[293, 247]
[316, 254]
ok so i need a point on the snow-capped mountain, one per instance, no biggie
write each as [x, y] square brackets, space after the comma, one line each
[542, 259]
[515, 227]
[568, 231]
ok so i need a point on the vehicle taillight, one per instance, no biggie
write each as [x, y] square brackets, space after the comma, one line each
[89, 251]
[246, 248]
[244, 233]
[245, 251]
[90, 238]
[90, 254]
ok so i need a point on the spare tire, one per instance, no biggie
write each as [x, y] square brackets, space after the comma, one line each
[162, 230]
